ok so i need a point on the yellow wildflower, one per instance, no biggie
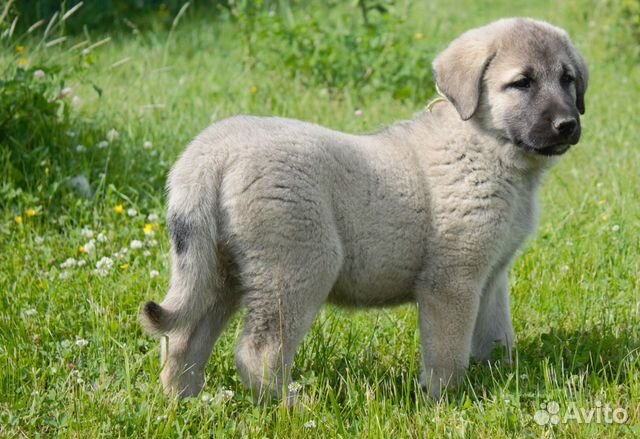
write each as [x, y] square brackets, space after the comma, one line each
[119, 208]
[20, 49]
[150, 228]
[81, 249]
[18, 219]
[23, 61]
[605, 217]
[125, 266]
[419, 36]
[253, 90]
[30, 212]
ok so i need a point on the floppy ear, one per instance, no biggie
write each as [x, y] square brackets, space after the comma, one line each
[459, 69]
[582, 77]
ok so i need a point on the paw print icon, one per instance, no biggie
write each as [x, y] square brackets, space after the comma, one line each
[548, 414]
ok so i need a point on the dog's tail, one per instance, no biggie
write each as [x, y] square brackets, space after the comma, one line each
[196, 281]
[155, 319]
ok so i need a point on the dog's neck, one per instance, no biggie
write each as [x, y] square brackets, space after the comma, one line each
[441, 121]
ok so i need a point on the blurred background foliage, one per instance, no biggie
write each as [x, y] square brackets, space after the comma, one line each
[359, 49]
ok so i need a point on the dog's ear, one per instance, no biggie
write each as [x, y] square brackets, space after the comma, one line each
[459, 69]
[582, 76]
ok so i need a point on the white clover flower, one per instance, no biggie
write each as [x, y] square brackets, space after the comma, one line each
[310, 424]
[146, 253]
[147, 145]
[65, 343]
[132, 212]
[112, 135]
[103, 144]
[615, 228]
[30, 312]
[89, 246]
[206, 398]
[152, 243]
[39, 74]
[80, 381]
[102, 272]
[223, 395]
[80, 149]
[38, 240]
[154, 273]
[81, 342]
[86, 233]
[228, 394]
[599, 185]
[102, 237]
[64, 275]
[152, 218]
[294, 387]
[135, 244]
[65, 92]
[69, 263]
[82, 263]
[104, 264]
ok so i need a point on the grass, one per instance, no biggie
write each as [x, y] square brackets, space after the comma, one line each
[74, 362]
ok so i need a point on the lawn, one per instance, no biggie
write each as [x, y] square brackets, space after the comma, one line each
[83, 239]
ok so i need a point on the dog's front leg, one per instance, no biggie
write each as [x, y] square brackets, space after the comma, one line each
[448, 312]
[493, 325]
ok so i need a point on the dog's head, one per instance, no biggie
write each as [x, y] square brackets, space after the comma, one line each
[519, 77]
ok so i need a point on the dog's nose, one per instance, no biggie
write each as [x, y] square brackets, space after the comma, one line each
[565, 126]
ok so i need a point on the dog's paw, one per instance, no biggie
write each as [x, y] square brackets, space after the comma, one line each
[436, 381]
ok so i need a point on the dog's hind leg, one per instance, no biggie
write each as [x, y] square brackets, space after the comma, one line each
[283, 297]
[275, 324]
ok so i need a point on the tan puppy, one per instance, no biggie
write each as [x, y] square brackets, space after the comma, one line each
[281, 216]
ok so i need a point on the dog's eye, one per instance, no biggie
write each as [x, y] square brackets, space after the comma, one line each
[522, 83]
[567, 79]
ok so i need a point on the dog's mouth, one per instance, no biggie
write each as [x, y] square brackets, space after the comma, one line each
[547, 151]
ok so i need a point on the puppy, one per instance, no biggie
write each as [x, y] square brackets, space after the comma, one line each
[280, 216]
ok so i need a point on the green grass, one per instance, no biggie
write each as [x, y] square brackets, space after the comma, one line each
[73, 359]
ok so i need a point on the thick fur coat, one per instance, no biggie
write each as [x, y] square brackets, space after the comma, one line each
[280, 216]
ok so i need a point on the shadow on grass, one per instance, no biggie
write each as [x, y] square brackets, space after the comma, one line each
[543, 363]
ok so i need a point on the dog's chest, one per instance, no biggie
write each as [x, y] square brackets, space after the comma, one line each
[481, 210]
